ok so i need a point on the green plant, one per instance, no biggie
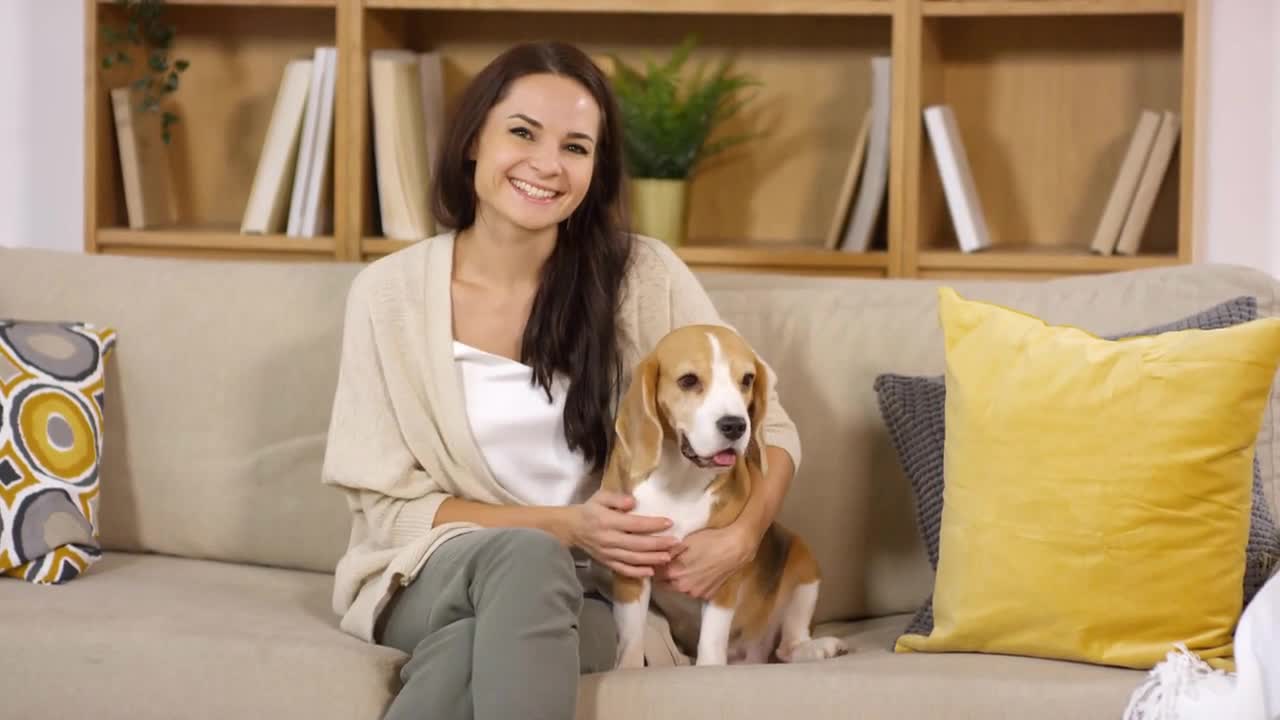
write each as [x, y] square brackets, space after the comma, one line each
[146, 29]
[667, 123]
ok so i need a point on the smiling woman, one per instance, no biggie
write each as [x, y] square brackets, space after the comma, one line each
[473, 416]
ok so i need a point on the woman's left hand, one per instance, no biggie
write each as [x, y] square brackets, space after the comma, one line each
[706, 558]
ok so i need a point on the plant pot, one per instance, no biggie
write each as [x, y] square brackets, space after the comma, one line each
[659, 208]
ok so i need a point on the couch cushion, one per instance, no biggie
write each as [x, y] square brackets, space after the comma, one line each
[144, 636]
[871, 683]
[217, 401]
[828, 339]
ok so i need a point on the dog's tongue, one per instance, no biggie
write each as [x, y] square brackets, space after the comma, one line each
[725, 458]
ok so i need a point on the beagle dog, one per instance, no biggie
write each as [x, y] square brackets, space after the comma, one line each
[689, 446]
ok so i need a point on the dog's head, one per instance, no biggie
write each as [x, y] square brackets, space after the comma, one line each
[704, 389]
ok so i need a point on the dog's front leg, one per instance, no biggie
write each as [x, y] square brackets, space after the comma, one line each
[713, 636]
[717, 623]
[630, 608]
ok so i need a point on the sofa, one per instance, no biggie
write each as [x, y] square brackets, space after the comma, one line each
[212, 596]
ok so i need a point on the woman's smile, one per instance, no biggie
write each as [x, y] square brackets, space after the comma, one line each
[534, 193]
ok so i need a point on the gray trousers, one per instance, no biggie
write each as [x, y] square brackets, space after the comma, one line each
[496, 626]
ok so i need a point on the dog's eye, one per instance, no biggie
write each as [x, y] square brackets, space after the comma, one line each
[688, 381]
[748, 379]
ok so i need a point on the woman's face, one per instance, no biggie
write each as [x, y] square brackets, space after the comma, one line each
[535, 153]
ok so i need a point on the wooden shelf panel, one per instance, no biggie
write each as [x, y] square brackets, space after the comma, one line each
[1040, 260]
[940, 8]
[246, 3]
[382, 246]
[782, 258]
[740, 256]
[669, 7]
[196, 239]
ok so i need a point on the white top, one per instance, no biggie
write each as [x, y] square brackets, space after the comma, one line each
[520, 434]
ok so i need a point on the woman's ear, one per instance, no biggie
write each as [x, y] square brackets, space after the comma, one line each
[759, 408]
[638, 426]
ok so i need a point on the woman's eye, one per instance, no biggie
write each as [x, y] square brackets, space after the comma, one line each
[688, 381]
[521, 132]
[576, 148]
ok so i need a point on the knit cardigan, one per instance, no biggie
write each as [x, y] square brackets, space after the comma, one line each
[399, 442]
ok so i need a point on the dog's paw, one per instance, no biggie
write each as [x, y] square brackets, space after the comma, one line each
[630, 657]
[821, 648]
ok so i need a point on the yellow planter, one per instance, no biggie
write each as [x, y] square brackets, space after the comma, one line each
[659, 208]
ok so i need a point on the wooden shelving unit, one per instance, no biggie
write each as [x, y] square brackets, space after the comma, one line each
[1046, 93]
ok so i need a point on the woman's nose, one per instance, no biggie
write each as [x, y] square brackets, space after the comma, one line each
[544, 159]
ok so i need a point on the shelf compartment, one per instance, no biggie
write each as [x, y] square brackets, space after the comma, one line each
[782, 185]
[1045, 109]
[672, 7]
[237, 57]
[955, 8]
[220, 240]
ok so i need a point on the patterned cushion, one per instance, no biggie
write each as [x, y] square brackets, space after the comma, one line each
[51, 410]
[913, 409]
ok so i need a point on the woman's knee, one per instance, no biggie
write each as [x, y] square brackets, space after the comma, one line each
[529, 560]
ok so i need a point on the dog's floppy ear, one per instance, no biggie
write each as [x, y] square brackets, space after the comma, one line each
[759, 407]
[638, 425]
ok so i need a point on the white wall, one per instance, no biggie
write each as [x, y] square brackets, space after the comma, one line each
[1240, 139]
[42, 140]
[42, 123]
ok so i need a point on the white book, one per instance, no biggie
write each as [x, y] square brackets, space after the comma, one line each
[265, 212]
[957, 179]
[875, 175]
[316, 203]
[306, 146]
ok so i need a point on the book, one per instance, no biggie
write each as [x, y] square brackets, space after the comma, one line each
[400, 137]
[268, 206]
[144, 163]
[845, 198]
[1153, 174]
[875, 175]
[1126, 184]
[963, 203]
[317, 208]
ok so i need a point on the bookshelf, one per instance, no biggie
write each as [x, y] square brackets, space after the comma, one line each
[1045, 93]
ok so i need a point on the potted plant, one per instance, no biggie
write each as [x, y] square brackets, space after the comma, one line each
[145, 33]
[668, 123]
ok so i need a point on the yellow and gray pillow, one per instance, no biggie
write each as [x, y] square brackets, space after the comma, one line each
[52, 379]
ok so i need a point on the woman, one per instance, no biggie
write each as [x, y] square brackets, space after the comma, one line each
[472, 416]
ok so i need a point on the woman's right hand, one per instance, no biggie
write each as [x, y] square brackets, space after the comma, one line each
[623, 542]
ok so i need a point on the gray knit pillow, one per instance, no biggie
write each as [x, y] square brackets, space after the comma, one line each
[913, 408]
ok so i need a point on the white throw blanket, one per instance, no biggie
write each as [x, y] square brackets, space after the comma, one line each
[1183, 687]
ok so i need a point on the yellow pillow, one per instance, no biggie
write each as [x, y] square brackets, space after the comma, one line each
[1097, 492]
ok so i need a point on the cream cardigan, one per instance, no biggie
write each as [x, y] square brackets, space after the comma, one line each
[399, 442]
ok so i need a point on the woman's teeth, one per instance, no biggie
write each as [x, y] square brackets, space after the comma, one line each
[532, 191]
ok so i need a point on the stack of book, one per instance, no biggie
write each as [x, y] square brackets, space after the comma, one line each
[292, 187]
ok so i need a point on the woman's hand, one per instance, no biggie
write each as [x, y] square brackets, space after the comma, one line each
[622, 542]
[707, 558]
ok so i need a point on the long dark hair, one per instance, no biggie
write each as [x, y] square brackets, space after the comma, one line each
[572, 327]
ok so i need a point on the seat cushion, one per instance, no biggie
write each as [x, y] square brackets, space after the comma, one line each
[870, 683]
[144, 636]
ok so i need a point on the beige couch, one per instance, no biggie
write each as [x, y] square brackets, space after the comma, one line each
[213, 598]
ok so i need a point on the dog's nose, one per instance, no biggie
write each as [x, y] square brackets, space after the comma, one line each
[732, 426]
